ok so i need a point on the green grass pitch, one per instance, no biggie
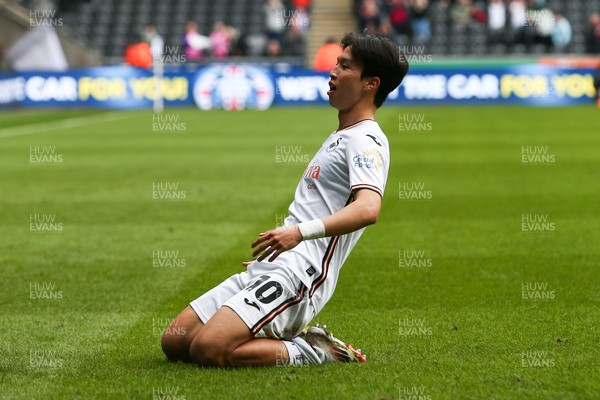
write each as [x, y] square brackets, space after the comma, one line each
[480, 280]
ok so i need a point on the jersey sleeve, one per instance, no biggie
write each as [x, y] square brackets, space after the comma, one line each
[368, 162]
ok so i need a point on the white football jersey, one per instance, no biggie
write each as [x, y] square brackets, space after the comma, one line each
[353, 158]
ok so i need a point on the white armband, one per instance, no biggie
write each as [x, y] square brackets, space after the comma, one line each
[314, 229]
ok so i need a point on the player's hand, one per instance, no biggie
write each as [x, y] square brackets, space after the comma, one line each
[246, 263]
[276, 241]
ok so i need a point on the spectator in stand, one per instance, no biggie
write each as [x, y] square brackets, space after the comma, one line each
[544, 23]
[369, 15]
[442, 4]
[234, 36]
[273, 48]
[562, 33]
[301, 20]
[301, 4]
[518, 14]
[239, 45]
[295, 42]
[155, 41]
[386, 30]
[194, 43]
[420, 23]
[596, 43]
[517, 10]
[461, 13]
[593, 34]
[400, 18]
[275, 20]
[326, 57]
[220, 40]
[478, 15]
[496, 20]
[536, 4]
[138, 55]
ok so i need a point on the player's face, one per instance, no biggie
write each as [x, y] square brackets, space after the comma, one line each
[346, 87]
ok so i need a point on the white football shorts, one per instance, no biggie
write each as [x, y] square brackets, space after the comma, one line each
[268, 297]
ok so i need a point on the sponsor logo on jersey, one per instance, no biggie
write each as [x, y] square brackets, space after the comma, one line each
[312, 171]
[234, 87]
[374, 139]
[311, 186]
[251, 303]
[311, 271]
[333, 145]
[370, 159]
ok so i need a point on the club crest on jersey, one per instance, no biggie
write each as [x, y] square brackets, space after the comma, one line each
[333, 145]
[312, 172]
[370, 159]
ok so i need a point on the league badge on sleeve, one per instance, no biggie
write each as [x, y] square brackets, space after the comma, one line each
[370, 159]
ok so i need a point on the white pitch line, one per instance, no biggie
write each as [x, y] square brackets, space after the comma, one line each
[63, 124]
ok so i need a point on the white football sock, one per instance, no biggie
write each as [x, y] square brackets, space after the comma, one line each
[294, 355]
[300, 352]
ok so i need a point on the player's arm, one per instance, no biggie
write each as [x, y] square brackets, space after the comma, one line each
[363, 211]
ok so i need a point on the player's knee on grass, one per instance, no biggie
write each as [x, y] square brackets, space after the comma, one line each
[208, 352]
[178, 336]
[174, 346]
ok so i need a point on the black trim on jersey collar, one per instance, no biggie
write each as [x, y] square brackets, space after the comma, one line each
[356, 123]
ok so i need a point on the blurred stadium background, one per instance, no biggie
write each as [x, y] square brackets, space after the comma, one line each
[479, 28]
[540, 51]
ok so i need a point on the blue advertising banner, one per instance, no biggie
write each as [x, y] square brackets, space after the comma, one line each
[102, 87]
[247, 86]
[528, 84]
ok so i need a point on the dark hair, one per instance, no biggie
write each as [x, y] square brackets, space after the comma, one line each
[380, 57]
